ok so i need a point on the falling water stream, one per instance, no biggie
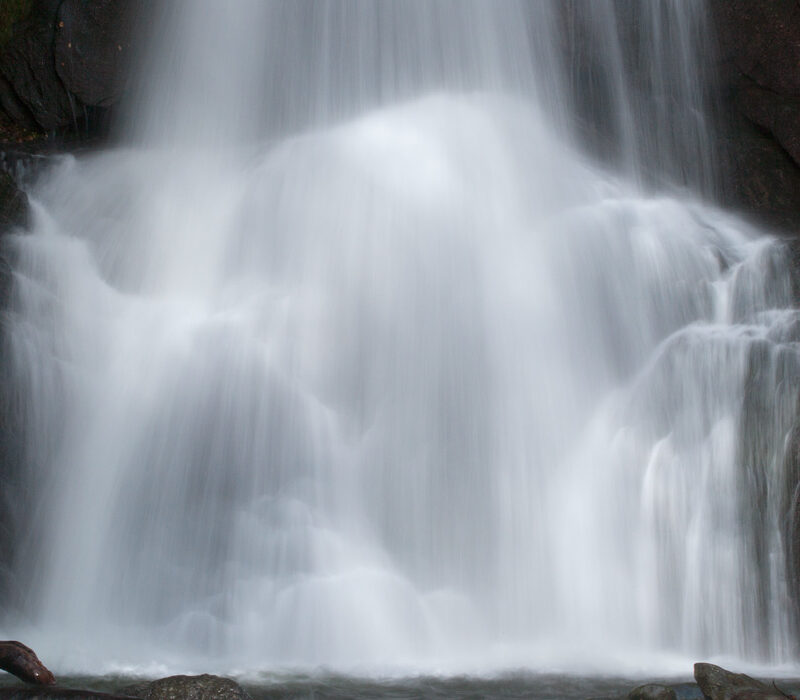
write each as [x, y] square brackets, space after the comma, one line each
[351, 357]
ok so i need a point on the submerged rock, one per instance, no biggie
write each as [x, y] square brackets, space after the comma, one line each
[205, 687]
[653, 691]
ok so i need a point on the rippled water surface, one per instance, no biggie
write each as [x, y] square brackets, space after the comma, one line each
[538, 687]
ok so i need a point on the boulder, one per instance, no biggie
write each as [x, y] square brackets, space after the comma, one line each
[653, 691]
[718, 684]
[205, 687]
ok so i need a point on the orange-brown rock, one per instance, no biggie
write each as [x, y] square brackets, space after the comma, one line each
[22, 661]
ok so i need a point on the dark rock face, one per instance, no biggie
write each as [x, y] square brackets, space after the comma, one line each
[759, 46]
[775, 113]
[761, 179]
[653, 691]
[92, 43]
[762, 39]
[205, 687]
[37, 97]
[66, 62]
[13, 204]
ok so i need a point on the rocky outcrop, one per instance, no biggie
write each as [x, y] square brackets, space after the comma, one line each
[759, 47]
[66, 64]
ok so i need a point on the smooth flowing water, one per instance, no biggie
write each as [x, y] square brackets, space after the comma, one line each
[351, 358]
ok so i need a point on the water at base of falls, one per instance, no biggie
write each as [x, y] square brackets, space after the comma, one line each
[419, 391]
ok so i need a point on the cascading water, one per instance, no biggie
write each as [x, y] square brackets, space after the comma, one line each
[352, 359]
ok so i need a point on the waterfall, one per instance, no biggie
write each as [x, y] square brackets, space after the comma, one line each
[352, 356]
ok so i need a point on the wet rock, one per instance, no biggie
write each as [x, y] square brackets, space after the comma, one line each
[14, 213]
[759, 61]
[15, 115]
[66, 62]
[92, 44]
[22, 662]
[777, 114]
[716, 683]
[205, 687]
[653, 691]
[761, 178]
[32, 84]
[762, 41]
[13, 204]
